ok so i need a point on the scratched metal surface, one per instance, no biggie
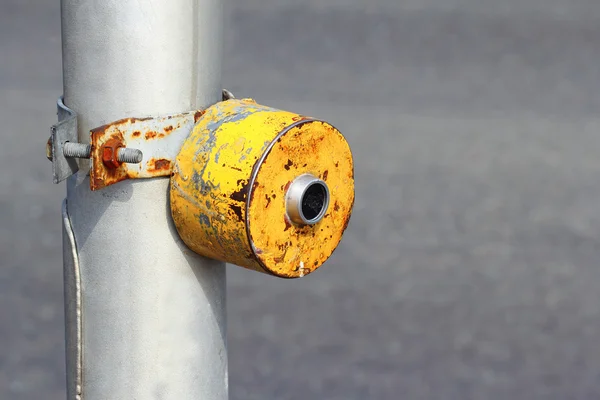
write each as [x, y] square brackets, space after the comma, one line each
[470, 268]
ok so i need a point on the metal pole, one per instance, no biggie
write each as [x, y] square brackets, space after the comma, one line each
[145, 315]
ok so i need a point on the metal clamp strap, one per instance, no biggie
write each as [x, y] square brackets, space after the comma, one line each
[125, 149]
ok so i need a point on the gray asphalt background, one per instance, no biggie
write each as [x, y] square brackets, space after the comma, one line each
[470, 269]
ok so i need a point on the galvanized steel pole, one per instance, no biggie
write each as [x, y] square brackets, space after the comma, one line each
[145, 316]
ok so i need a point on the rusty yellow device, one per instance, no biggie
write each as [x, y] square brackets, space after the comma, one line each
[262, 188]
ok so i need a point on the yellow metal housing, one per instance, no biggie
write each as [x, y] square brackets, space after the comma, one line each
[229, 184]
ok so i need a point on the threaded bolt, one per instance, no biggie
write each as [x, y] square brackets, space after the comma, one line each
[81, 150]
[129, 155]
[77, 150]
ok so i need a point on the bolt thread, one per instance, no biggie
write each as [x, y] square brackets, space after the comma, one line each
[131, 156]
[77, 150]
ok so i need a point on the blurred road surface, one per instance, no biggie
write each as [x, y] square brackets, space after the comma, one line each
[471, 267]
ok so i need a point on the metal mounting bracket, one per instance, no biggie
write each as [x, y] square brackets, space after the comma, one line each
[159, 139]
[65, 130]
[155, 141]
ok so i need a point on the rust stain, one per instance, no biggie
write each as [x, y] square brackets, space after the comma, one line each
[109, 152]
[100, 174]
[288, 164]
[198, 115]
[325, 174]
[237, 210]
[287, 222]
[150, 135]
[281, 258]
[242, 193]
[256, 184]
[159, 166]
[119, 124]
[162, 164]
[136, 134]
[168, 129]
[346, 222]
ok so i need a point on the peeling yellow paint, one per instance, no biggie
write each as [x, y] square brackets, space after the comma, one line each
[230, 179]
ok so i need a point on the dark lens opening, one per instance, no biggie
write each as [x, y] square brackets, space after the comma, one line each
[313, 201]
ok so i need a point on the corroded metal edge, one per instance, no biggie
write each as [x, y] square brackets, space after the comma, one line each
[73, 316]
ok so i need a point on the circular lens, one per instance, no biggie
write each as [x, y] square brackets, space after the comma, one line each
[313, 201]
[307, 200]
